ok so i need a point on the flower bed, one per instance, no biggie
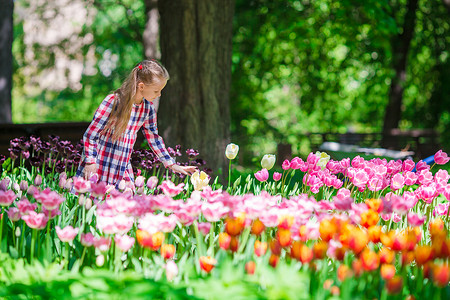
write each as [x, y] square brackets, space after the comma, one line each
[358, 229]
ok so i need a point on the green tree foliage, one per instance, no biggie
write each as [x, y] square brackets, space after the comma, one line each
[314, 66]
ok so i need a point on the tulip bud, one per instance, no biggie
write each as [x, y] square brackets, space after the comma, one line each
[4, 184]
[100, 260]
[250, 267]
[38, 180]
[140, 190]
[231, 151]
[16, 186]
[171, 270]
[121, 186]
[152, 182]
[23, 185]
[18, 232]
[139, 182]
[268, 161]
[88, 203]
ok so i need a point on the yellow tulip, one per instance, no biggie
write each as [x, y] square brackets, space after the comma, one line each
[323, 159]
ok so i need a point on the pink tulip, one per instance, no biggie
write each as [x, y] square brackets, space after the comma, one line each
[23, 185]
[124, 242]
[286, 165]
[410, 178]
[415, 220]
[98, 189]
[14, 214]
[446, 192]
[408, 165]
[427, 192]
[441, 209]
[51, 213]
[375, 184]
[425, 177]
[262, 175]
[360, 179]
[152, 182]
[358, 162]
[171, 270]
[380, 170]
[102, 243]
[441, 177]
[344, 163]
[49, 199]
[269, 218]
[80, 185]
[7, 198]
[334, 166]
[441, 158]
[296, 163]
[397, 182]
[25, 206]
[215, 211]
[276, 176]
[4, 183]
[35, 220]
[139, 181]
[87, 239]
[421, 165]
[67, 234]
[312, 160]
[204, 227]
[38, 180]
[170, 189]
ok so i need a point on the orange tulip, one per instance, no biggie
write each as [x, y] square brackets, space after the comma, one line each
[327, 230]
[143, 238]
[335, 291]
[441, 248]
[386, 256]
[441, 275]
[207, 263]
[407, 257]
[387, 239]
[374, 233]
[234, 226]
[303, 233]
[260, 248]
[275, 247]
[340, 253]
[436, 228]
[284, 237]
[285, 222]
[399, 242]
[375, 204]
[167, 251]
[306, 254]
[394, 285]
[358, 240]
[357, 267]
[257, 227]
[234, 243]
[344, 272]
[387, 271]
[224, 240]
[369, 218]
[273, 260]
[320, 249]
[423, 254]
[295, 249]
[370, 260]
[250, 267]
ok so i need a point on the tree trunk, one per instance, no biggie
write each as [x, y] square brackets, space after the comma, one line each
[6, 59]
[400, 49]
[151, 32]
[194, 112]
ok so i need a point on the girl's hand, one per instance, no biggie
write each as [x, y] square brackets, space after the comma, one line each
[187, 170]
[89, 170]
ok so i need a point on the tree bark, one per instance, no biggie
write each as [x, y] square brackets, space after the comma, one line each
[151, 32]
[6, 59]
[195, 38]
[400, 48]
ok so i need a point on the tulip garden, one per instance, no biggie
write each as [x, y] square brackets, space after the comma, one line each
[316, 228]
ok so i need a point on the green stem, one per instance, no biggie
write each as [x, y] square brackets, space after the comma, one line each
[33, 241]
[1, 228]
[211, 239]
[229, 175]
[48, 241]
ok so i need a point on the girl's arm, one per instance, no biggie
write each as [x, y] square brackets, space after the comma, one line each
[155, 141]
[99, 121]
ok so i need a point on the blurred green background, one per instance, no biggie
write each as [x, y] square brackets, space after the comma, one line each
[297, 66]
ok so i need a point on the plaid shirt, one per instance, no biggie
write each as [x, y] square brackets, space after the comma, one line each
[113, 158]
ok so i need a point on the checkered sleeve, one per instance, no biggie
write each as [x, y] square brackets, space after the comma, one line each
[155, 141]
[99, 121]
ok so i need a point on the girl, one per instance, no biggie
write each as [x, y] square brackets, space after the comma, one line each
[109, 139]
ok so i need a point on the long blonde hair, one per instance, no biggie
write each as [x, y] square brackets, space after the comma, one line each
[148, 72]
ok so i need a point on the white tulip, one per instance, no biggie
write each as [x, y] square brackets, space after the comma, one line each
[199, 180]
[268, 161]
[231, 151]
